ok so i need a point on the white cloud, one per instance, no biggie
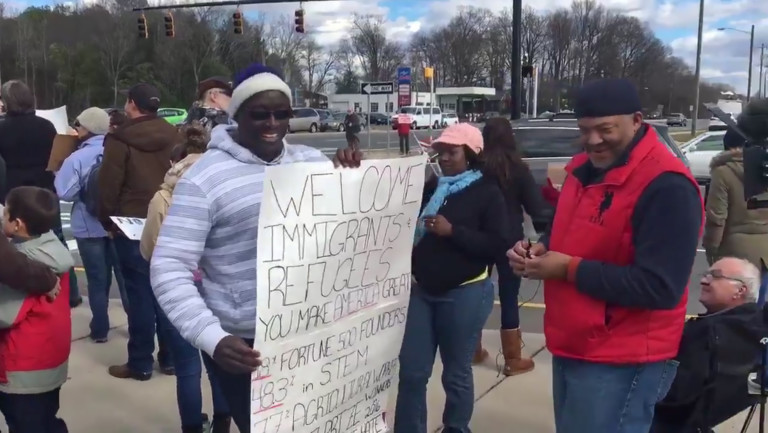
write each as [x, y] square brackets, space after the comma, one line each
[725, 54]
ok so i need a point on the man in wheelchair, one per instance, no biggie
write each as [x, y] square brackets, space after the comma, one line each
[718, 351]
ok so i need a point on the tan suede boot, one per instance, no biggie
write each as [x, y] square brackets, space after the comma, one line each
[511, 348]
[480, 354]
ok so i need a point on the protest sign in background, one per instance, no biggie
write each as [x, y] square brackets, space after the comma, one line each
[334, 279]
[131, 227]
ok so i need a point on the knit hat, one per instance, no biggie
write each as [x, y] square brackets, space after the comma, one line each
[733, 139]
[607, 97]
[95, 120]
[460, 134]
[255, 79]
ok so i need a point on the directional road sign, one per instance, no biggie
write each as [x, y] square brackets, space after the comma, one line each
[382, 88]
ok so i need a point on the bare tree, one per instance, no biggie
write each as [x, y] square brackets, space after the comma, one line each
[318, 64]
[283, 44]
[560, 29]
[378, 56]
[114, 40]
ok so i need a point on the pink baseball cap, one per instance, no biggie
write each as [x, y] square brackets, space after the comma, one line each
[460, 134]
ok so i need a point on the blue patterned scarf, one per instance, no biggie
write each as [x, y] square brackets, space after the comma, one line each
[445, 186]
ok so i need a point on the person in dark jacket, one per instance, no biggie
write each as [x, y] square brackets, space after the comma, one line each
[136, 157]
[213, 97]
[615, 266]
[462, 228]
[717, 352]
[503, 163]
[26, 141]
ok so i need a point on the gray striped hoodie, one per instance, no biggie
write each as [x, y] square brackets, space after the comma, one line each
[213, 222]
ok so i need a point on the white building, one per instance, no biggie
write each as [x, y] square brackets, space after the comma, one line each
[379, 103]
[452, 99]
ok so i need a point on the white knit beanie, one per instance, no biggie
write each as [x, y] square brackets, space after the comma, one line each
[254, 79]
[95, 120]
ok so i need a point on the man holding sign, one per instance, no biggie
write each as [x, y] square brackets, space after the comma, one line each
[213, 224]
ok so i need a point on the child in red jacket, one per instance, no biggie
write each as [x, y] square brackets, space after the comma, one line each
[37, 331]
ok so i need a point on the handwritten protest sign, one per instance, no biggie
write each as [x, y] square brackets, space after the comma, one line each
[131, 227]
[334, 278]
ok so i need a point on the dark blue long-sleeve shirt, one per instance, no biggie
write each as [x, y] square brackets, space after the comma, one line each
[666, 223]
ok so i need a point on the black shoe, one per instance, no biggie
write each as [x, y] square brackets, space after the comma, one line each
[221, 423]
[168, 370]
[76, 303]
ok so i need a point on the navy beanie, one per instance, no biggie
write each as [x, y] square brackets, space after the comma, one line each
[733, 139]
[607, 97]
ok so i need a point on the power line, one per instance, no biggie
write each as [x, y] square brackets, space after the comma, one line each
[221, 3]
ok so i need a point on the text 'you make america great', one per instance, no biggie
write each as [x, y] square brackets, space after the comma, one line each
[334, 279]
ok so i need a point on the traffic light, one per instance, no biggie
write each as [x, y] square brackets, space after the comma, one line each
[237, 21]
[170, 31]
[299, 20]
[143, 29]
[527, 71]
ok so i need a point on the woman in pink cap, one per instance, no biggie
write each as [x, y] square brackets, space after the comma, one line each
[462, 228]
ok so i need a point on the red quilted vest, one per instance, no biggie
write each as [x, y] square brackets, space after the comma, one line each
[575, 323]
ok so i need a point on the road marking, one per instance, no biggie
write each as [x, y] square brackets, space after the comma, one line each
[542, 307]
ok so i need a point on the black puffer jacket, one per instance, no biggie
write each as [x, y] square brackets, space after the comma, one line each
[25, 145]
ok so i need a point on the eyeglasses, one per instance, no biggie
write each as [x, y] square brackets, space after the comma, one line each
[261, 116]
[717, 274]
[76, 124]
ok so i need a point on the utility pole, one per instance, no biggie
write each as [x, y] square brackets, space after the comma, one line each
[517, 60]
[760, 89]
[698, 70]
[751, 54]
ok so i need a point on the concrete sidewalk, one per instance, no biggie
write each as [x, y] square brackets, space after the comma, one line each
[92, 401]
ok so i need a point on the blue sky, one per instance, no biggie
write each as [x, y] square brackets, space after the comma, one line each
[724, 56]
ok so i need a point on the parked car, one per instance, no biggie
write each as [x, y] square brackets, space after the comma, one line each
[304, 119]
[174, 116]
[542, 143]
[449, 119]
[333, 122]
[676, 119]
[379, 119]
[700, 152]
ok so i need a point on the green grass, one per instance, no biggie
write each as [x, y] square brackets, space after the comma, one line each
[683, 137]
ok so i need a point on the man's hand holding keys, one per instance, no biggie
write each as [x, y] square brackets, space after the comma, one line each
[522, 251]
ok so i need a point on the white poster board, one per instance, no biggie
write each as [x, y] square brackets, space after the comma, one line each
[334, 279]
[57, 116]
[131, 227]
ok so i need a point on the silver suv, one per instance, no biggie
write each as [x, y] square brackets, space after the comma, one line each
[304, 119]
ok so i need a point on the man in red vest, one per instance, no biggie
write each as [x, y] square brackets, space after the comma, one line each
[616, 265]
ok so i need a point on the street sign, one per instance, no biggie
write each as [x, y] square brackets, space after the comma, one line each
[403, 86]
[382, 88]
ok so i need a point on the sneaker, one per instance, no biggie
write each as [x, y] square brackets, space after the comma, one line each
[99, 340]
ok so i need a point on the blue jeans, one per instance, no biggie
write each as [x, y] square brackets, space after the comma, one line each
[189, 397]
[99, 257]
[509, 291]
[236, 389]
[144, 312]
[590, 397]
[452, 323]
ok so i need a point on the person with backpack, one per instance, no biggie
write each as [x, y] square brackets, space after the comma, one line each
[186, 357]
[76, 182]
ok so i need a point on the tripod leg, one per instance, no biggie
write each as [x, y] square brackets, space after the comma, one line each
[748, 420]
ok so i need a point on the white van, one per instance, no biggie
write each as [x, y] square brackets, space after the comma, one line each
[421, 117]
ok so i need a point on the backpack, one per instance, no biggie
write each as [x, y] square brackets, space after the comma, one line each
[89, 190]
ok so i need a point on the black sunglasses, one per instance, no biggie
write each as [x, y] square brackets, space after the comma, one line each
[261, 116]
[76, 124]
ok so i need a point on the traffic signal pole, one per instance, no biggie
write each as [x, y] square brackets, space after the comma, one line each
[217, 3]
[517, 60]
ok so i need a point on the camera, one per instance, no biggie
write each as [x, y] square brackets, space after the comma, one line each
[752, 124]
